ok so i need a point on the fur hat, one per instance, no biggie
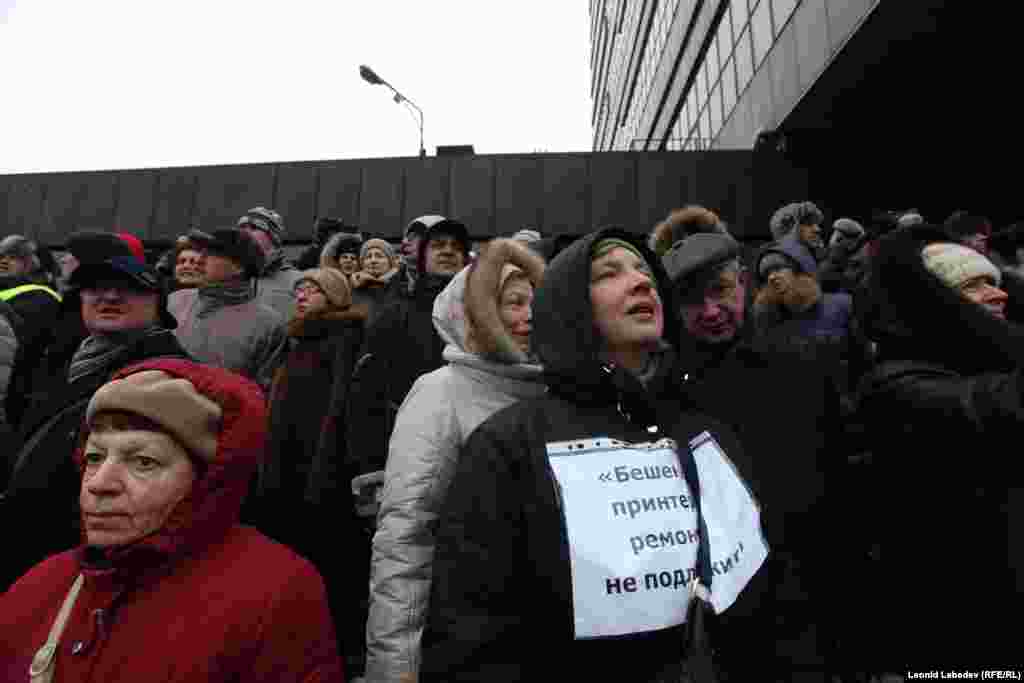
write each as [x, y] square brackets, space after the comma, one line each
[383, 245]
[955, 264]
[683, 223]
[785, 219]
[332, 283]
[693, 256]
[267, 220]
[173, 403]
[234, 244]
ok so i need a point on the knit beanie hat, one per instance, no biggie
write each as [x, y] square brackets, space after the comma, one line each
[267, 220]
[955, 264]
[332, 283]
[174, 404]
[527, 235]
[378, 243]
[609, 243]
[845, 230]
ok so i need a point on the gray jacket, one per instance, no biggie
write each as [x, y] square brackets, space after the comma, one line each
[8, 350]
[275, 287]
[237, 332]
[440, 412]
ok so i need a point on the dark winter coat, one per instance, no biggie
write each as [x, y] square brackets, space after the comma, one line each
[202, 599]
[375, 294]
[501, 606]
[941, 409]
[38, 311]
[785, 409]
[8, 353]
[44, 484]
[319, 362]
[399, 347]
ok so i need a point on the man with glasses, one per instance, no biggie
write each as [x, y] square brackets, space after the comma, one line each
[123, 303]
[785, 410]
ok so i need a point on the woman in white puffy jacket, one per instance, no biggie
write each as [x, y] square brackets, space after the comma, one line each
[484, 318]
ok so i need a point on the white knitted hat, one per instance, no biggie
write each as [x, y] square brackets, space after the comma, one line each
[955, 264]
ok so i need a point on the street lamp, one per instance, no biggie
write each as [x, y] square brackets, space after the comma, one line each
[370, 76]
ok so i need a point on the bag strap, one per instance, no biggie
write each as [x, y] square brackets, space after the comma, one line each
[42, 668]
[689, 466]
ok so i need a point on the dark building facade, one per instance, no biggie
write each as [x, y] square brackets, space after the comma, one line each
[886, 104]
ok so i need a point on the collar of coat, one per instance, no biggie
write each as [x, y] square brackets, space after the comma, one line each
[324, 323]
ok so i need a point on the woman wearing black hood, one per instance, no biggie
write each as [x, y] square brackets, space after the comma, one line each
[942, 405]
[547, 568]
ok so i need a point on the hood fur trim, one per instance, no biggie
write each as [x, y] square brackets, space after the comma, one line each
[683, 223]
[486, 334]
[804, 294]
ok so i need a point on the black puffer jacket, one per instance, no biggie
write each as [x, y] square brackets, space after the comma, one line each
[501, 605]
[44, 484]
[942, 408]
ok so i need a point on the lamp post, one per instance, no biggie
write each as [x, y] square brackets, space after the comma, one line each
[372, 78]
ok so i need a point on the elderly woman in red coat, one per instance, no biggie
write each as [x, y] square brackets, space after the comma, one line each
[167, 585]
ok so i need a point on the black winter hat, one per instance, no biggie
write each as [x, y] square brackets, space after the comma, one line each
[108, 256]
[448, 226]
[234, 244]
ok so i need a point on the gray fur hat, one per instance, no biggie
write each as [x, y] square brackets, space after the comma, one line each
[789, 216]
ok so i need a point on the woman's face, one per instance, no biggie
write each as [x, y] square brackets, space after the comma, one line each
[309, 298]
[349, 263]
[515, 308]
[188, 269]
[133, 480]
[376, 262]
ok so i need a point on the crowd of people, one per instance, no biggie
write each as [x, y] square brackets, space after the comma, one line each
[526, 458]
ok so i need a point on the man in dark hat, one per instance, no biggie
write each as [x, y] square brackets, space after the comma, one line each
[223, 322]
[787, 445]
[325, 228]
[123, 307]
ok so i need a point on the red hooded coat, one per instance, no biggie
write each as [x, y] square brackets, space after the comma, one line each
[203, 599]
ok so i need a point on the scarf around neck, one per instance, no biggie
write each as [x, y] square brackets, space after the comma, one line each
[98, 353]
[215, 296]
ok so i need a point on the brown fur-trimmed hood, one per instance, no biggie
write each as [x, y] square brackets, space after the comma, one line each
[683, 223]
[466, 312]
[804, 293]
[323, 322]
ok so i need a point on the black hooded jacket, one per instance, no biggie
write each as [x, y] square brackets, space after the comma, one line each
[501, 606]
[944, 411]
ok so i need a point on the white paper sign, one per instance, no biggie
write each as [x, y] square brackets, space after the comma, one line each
[633, 531]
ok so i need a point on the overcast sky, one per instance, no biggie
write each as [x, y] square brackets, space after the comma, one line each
[105, 84]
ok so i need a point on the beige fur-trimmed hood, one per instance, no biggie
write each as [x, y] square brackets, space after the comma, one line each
[466, 312]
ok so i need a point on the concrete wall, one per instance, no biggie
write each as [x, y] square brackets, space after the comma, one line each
[494, 195]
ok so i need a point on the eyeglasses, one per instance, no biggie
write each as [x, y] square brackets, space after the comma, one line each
[308, 290]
